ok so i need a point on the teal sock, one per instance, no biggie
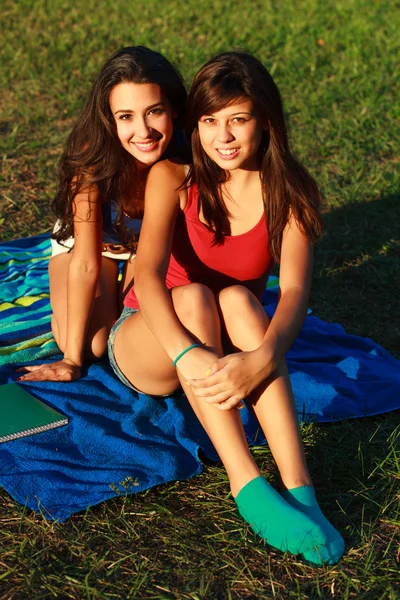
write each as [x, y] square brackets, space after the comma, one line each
[303, 498]
[281, 525]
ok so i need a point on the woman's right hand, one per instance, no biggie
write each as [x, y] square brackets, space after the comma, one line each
[62, 370]
[195, 363]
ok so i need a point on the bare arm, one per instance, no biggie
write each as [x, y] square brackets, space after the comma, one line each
[294, 283]
[83, 273]
[237, 375]
[162, 201]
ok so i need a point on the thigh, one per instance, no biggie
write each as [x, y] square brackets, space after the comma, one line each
[142, 360]
[104, 310]
[243, 316]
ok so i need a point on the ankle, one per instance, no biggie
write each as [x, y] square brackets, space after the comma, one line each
[296, 482]
[237, 482]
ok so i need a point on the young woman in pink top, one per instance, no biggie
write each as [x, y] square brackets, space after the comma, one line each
[208, 242]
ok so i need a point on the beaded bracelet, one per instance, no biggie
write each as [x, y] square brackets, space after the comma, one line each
[184, 352]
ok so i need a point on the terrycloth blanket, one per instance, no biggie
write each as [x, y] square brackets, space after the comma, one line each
[120, 442]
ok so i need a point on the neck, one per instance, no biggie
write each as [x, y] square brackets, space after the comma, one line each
[242, 178]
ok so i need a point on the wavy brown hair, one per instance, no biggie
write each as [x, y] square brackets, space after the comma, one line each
[94, 155]
[287, 186]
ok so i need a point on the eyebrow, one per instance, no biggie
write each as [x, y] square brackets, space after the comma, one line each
[128, 110]
[241, 112]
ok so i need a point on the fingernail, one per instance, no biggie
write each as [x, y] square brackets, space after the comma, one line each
[207, 372]
[187, 383]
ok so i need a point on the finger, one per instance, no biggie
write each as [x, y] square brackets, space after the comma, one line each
[35, 376]
[218, 365]
[28, 368]
[215, 367]
[211, 380]
[209, 392]
[232, 403]
[43, 375]
[218, 398]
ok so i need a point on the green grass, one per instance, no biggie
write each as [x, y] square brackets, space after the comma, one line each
[336, 64]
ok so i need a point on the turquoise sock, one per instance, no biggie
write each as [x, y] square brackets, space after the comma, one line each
[281, 525]
[303, 498]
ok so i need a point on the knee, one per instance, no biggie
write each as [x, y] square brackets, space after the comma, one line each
[193, 301]
[237, 299]
[97, 346]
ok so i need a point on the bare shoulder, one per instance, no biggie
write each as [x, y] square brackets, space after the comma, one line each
[169, 172]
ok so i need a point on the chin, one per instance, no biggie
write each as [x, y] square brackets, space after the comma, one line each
[147, 159]
[229, 165]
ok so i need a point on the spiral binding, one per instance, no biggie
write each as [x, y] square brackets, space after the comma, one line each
[32, 430]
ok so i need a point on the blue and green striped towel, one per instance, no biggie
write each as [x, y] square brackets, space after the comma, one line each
[118, 441]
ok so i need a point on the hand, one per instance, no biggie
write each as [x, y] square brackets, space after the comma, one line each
[62, 370]
[232, 378]
[195, 362]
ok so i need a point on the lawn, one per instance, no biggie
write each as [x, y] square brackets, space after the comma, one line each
[336, 64]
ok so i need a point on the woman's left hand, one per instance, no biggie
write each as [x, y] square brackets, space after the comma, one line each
[61, 370]
[232, 378]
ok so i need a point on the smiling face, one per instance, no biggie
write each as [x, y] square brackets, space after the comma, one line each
[144, 120]
[231, 137]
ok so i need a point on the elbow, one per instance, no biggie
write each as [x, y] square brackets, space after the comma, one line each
[297, 296]
[147, 283]
[89, 269]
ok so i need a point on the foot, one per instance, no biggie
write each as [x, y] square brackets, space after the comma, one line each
[303, 499]
[281, 525]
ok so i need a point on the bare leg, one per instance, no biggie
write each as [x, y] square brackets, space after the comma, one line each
[104, 311]
[152, 372]
[149, 368]
[272, 402]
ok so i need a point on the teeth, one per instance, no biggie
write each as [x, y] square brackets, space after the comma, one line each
[227, 152]
[147, 145]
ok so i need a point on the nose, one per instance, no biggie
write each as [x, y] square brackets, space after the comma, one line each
[224, 134]
[143, 130]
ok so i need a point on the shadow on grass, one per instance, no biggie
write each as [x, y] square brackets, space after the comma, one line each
[357, 270]
[354, 468]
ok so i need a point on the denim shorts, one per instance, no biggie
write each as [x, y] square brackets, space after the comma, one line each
[126, 313]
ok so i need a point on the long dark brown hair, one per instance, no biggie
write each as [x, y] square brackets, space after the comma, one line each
[287, 186]
[94, 154]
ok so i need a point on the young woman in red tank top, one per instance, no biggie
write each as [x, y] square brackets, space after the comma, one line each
[194, 316]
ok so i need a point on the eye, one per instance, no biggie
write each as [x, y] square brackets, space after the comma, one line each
[208, 120]
[125, 117]
[239, 120]
[156, 111]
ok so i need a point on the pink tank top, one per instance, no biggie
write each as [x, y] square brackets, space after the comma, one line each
[241, 259]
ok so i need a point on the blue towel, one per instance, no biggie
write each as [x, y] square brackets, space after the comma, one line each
[119, 442]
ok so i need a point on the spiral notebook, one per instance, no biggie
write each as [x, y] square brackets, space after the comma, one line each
[22, 414]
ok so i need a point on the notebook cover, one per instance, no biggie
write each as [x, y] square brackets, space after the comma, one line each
[22, 414]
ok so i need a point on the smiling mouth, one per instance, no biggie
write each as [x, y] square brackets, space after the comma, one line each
[147, 146]
[228, 153]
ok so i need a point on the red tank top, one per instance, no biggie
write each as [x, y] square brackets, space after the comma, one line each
[241, 259]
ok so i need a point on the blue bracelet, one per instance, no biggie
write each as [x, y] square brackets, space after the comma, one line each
[184, 352]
